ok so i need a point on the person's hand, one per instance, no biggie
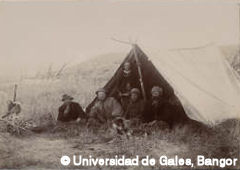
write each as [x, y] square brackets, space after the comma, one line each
[78, 120]
[119, 93]
[66, 111]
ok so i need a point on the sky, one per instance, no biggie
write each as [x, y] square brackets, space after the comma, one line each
[36, 34]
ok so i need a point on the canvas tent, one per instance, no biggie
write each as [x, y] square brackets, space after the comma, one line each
[149, 76]
[199, 81]
[205, 83]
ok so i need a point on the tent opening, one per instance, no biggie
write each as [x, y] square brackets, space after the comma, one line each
[145, 77]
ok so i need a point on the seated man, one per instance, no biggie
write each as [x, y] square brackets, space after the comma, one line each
[104, 110]
[133, 115]
[156, 108]
[128, 79]
[135, 107]
[162, 109]
[125, 96]
[69, 110]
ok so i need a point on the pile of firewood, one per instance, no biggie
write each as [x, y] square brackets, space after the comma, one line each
[16, 128]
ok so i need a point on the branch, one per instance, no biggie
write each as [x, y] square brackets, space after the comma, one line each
[61, 70]
[120, 41]
[193, 48]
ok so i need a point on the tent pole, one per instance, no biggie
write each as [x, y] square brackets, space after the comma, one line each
[138, 66]
[15, 93]
[140, 73]
[120, 41]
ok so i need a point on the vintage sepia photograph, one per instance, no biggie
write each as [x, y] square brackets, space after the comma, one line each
[119, 84]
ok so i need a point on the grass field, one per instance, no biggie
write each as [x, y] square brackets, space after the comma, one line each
[42, 96]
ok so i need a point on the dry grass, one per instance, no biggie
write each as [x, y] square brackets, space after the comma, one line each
[40, 97]
[45, 150]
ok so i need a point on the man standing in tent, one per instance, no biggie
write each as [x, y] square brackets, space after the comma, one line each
[127, 80]
[70, 111]
[104, 110]
[135, 108]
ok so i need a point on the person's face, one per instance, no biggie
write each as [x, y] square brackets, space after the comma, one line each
[66, 101]
[157, 94]
[134, 97]
[127, 66]
[101, 96]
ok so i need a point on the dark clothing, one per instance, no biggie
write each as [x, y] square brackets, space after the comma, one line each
[156, 110]
[70, 111]
[126, 78]
[125, 99]
[132, 78]
[165, 110]
[135, 110]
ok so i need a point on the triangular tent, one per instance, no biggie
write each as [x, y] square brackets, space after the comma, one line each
[198, 81]
[150, 77]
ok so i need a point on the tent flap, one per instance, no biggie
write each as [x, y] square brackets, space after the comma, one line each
[204, 82]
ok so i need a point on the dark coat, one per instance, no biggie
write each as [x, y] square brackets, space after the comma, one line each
[158, 111]
[70, 111]
[166, 110]
[131, 78]
[135, 110]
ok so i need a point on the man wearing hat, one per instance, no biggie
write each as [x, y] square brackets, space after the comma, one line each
[104, 110]
[69, 110]
[164, 109]
[136, 105]
[156, 108]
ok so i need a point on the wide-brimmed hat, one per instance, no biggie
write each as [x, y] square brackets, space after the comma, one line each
[101, 90]
[135, 90]
[66, 97]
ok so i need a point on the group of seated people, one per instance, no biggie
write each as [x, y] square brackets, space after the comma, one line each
[113, 106]
[107, 108]
[128, 104]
